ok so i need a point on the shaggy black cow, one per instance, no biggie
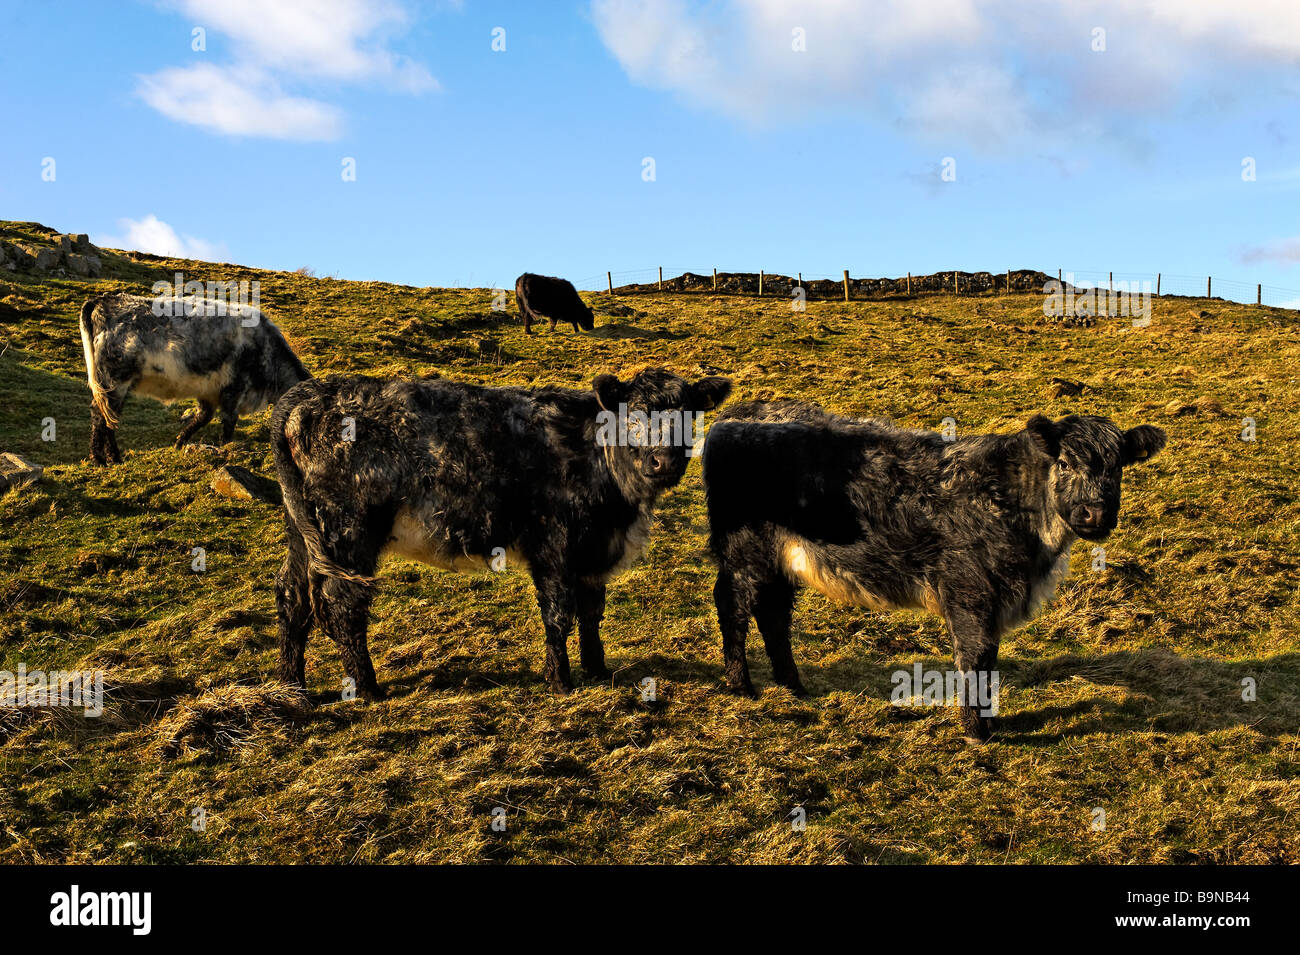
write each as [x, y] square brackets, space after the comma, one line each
[230, 359]
[977, 530]
[543, 296]
[561, 482]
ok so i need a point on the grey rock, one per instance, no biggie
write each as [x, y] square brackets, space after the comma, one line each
[17, 471]
[242, 484]
[47, 258]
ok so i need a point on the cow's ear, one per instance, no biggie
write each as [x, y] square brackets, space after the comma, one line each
[1142, 442]
[1045, 434]
[609, 391]
[711, 392]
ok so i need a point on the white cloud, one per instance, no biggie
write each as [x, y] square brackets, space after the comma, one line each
[339, 41]
[1280, 251]
[238, 103]
[151, 234]
[988, 72]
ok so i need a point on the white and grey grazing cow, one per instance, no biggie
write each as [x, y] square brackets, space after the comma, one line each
[229, 358]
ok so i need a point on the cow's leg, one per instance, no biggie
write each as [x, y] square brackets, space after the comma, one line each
[194, 422]
[975, 653]
[591, 611]
[99, 431]
[556, 599]
[773, 610]
[525, 313]
[103, 437]
[293, 611]
[733, 603]
[343, 611]
[552, 319]
[229, 401]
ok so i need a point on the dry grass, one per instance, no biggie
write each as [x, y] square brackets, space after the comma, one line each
[1125, 695]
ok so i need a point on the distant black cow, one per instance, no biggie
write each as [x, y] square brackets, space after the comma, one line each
[543, 296]
[466, 477]
[977, 530]
[236, 362]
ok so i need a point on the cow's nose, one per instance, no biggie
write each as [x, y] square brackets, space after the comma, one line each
[1092, 515]
[656, 463]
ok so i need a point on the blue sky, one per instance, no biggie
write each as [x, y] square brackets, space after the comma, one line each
[474, 165]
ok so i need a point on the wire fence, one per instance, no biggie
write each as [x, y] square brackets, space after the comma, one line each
[1156, 284]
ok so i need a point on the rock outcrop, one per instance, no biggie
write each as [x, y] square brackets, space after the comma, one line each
[16, 471]
[71, 254]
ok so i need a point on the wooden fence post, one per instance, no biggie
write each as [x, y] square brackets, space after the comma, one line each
[609, 277]
[1008, 281]
[846, 285]
[661, 278]
[760, 283]
[1208, 279]
[909, 283]
[954, 284]
[1157, 285]
[715, 280]
[1259, 294]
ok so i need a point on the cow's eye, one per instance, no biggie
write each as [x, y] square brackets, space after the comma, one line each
[1064, 465]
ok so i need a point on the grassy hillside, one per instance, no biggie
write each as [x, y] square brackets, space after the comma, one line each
[1126, 694]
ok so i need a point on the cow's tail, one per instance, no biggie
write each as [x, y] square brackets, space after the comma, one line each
[290, 415]
[99, 388]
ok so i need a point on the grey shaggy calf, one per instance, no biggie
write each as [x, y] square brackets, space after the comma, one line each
[237, 363]
[977, 530]
[465, 477]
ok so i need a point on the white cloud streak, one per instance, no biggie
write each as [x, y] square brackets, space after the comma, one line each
[990, 73]
[336, 41]
[151, 234]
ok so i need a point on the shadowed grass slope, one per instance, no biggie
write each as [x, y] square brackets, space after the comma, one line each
[1125, 695]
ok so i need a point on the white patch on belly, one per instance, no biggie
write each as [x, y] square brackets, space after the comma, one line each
[629, 545]
[410, 539]
[1042, 591]
[805, 566]
[164, 376]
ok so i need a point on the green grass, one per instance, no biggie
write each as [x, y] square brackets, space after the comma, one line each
[1125, 694]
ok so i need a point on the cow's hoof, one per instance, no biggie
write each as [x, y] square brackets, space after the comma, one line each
[795, 687]
[601, 672]
[373, 694]
[978, 729]
[560, 684]
[743, 689]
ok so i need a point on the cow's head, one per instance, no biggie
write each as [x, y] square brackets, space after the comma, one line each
[586, 318]
[647, 425]
[1088, 455]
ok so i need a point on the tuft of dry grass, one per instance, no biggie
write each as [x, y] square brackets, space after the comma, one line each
[227, 718]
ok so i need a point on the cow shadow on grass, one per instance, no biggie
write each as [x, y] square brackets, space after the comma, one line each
[37, 405]
[617, 330]
[1151, 690]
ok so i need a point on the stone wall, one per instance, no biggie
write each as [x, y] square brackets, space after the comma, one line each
[746, 283]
